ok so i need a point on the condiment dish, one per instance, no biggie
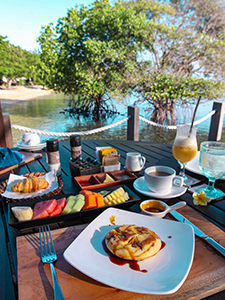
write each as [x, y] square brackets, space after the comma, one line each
[159, 209]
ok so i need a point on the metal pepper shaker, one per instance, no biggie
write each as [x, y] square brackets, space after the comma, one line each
[75, 146]
[53, 158]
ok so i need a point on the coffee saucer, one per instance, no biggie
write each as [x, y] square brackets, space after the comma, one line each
[31, 147]
[141, 187]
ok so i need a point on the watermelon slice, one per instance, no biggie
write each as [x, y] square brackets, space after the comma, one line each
[56, 211]
[61, 202]
[44, 208]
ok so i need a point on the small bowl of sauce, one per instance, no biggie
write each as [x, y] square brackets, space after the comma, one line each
[157, 208]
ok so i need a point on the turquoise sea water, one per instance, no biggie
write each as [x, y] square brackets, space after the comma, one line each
[46, 114]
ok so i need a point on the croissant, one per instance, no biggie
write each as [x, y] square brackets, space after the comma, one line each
[29, 185]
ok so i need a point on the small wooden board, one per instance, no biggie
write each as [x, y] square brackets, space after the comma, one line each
[27, 158]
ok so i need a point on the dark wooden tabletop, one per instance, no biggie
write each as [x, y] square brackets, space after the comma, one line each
[156, 154]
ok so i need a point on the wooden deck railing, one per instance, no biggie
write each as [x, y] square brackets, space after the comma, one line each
[6, 139]
[215, 130]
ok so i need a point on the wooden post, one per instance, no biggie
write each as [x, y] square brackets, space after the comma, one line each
[6, 139]
[216, 125]
[133, 123]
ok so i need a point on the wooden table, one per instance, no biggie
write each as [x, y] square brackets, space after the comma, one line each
[22, 267]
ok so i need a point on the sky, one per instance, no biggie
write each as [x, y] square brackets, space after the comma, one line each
[21, 20]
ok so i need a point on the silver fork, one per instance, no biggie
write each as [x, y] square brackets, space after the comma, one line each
[48, 255]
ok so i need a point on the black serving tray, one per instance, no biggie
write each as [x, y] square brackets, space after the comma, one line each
[81, 217]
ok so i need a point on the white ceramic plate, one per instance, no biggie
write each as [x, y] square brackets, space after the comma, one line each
[141, 187]
[193, 166]
[31, 148]
[166, 271]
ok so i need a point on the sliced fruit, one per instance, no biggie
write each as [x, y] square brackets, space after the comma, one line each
[99, 200]
[90, 202]
[93, 200]
[79, 203]
[61, 202]
[117, 196]
[69, 204]
[86, 192]
[56, 211]
[22, 213]
[43, 209]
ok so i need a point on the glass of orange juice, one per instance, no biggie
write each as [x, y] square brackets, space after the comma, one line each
[185, 147]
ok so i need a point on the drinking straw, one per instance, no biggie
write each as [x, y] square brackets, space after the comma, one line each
[193, 118]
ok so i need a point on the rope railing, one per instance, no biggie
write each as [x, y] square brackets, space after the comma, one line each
[67, 134]
[96, 130]
[173, 127]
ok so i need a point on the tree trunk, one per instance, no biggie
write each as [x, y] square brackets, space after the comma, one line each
[167, 109]
[172, 108]
[161, 111]
[97, 108]
[155, 112]
[9, 83]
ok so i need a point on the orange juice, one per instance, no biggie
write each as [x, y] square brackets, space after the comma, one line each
[184, 149]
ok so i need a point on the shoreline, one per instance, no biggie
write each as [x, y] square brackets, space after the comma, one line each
[23, 93]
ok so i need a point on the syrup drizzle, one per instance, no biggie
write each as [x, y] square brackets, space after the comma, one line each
[133, 264]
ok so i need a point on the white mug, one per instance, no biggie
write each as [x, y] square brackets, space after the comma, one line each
[161, 179]
[135, 161]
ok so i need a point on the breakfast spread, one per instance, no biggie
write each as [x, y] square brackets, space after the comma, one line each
[133, 242]
[30, 185]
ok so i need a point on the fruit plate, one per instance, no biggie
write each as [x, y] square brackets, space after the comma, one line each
[81, 217]
[164, 273]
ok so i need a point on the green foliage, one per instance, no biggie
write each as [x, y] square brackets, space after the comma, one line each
[165, 86]
[186, 57]
[90, 49]
[165, 51]
[16, 62]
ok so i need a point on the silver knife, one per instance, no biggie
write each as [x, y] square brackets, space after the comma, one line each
[198, 232]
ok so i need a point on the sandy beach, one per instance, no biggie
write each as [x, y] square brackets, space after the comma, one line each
[23, 93]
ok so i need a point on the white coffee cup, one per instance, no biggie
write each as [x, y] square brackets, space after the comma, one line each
[30, 139]
[135, 161]
[161, 179]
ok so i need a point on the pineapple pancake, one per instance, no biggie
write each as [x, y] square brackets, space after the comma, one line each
[133, 242]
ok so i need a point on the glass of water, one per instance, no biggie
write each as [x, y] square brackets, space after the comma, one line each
[212, 165]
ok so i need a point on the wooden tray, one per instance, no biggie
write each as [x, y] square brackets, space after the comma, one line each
[206, 276]
[96, 181]
[37, 174]
[80, 217]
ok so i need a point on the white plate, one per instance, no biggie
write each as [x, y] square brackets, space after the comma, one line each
[193, 166]
[166, 271]
[141, 187]
[31, 148]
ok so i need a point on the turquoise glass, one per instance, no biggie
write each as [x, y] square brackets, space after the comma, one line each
[212, 165]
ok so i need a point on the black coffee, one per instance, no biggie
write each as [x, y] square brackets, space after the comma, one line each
[159, 173]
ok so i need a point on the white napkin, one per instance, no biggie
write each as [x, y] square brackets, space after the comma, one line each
[50, 177]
